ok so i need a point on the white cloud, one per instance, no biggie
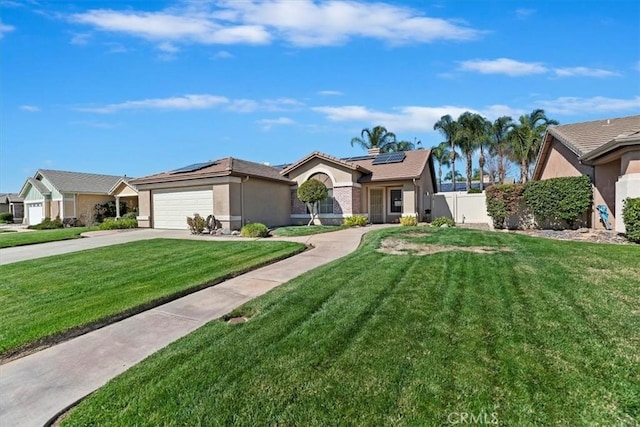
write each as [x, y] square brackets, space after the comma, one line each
[186, 102]
[568, 105]
[330, 93]
[223, 54]
[268, 124]
[243, 106]
[168, 47]
[507, 66]
[282, 104]
[80, 39]
[29, 108]
[583, 72]
[4, 28]
[302, 23]
[524, 13]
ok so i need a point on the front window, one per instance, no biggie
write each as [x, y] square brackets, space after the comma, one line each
[395, 201]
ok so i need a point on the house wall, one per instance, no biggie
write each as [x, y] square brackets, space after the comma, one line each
[69, 208]
[604, 191]
[627, 186]
[4, 207]
[338, 175]
[144, 209]
[17, 209]
[562, 162]
[55, 209]
[630, 163]
[85, 206]
[267, 202]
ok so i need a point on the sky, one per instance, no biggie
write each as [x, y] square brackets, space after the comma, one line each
[140, 87]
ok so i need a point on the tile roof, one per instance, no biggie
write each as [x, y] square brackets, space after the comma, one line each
[413, 166]
[228, 166]
[317, 154]
[584, 137]
[78, 182]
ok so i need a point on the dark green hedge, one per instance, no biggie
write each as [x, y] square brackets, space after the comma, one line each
[631, 215]
[503, 201]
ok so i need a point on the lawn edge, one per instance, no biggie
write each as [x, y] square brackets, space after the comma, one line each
[46, 342]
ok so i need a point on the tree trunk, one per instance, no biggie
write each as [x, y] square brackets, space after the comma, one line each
[453, 167]
[481, 161]
[501, 168]
[524, 170]
[439, 177]
[469, 170]
[312, 213]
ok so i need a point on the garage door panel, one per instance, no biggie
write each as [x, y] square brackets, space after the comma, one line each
[172, 207]
[35, 213]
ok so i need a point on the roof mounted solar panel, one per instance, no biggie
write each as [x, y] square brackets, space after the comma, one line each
[194, 167]
[386, 158]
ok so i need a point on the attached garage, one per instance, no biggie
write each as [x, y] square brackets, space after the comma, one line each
[35, 213]
[171, 207]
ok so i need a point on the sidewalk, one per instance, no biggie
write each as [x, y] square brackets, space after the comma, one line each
[35, 388]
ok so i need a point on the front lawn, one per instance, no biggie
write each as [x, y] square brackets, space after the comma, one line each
[8, 240]
[504, 327]
[44, 298]
[305, 230]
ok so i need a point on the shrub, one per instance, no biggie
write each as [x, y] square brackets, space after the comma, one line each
[443, 220]
[6, 217]
[255, 229]
[355, 221]
[130, 215]
[631, 215]
[408, 221]
[559, 199]
[118, 224]
[503, 200]
[474, 191]
[47, 224]
[108, 210]
[197, 224]
[71, 222]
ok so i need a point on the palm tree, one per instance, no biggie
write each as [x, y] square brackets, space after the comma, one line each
[472, 131]
[442, 154]
[378, 137]
[525, 139]
[449, 129]
[482, 141]
[393, 147]
[499, 143]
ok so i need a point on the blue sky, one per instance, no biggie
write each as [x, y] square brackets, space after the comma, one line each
[139, 87]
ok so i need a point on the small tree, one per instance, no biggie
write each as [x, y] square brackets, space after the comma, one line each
[311, 192]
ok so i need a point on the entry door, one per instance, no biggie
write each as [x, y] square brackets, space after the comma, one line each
[376, 205]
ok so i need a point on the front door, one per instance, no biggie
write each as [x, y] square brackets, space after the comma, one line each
[376, 205]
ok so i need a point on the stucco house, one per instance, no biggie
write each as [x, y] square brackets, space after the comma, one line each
[608, 151]
[383, 187]
[12, 203]
[53, 193]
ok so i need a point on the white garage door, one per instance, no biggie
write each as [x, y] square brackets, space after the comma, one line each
[172, 207]
[35, 213]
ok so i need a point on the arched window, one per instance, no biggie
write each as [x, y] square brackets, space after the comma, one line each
[325, 206]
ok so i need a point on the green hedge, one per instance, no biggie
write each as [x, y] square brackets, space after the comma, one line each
[631, 216]
[6, 217]
[503, 200]
[118, 224]
[443, 220]
[255, 229]
[47, 224]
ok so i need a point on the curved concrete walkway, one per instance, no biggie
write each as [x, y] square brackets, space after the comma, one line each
[37, 387]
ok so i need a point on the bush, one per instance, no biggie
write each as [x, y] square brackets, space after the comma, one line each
[255, 229]
[130, 215]
[71, 222]
[47, 224]
[559, 199]
[408, 221]
[443, 220]
[355, 221]
[474, 191]
[631, 215]
[503, 201]
[118, 224]
[108, 210]
[197, 224]
[6, 217]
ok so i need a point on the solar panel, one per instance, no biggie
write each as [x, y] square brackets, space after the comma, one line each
[193, 167]
[385, 158]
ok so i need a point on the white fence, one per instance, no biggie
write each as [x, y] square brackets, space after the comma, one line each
[461, 207]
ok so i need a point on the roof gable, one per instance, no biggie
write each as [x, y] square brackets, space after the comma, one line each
[413, 166]
[79, 182]
[334, 160]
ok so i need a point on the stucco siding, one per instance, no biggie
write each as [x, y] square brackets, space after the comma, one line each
[562, 162]
[86, 203]
[337, 174]
[630, 163]
[144, 209]
[266, 202]
[604, 192]
[55, 209]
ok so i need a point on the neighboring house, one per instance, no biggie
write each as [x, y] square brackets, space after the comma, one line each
[12, 203]
[608, 151]
[235, 191]
[382, 187]
[125, 192]
[52, 193]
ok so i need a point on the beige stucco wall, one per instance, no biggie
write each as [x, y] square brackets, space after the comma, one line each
[630, 163]
[54, 209]
[267, 202]
[338, 174]
[85, 208]
[69, 208]
[604, 192]
[144, 209]
[562, 162]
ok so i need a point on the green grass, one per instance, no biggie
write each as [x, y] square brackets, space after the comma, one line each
[44, 298]
[8, 240]
[541, 332]
[304, 230]
[6, 230]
